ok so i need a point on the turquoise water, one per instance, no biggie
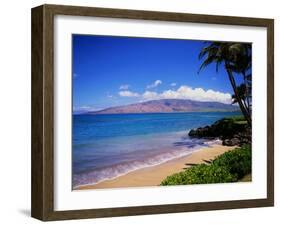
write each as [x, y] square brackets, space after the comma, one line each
[107, 146]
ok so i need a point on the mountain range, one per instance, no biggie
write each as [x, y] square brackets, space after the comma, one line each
[168, 106]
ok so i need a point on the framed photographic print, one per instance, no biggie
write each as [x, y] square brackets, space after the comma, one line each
[141, 112]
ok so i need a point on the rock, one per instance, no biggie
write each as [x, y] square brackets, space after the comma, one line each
[202, 132]
[231, 142]
[192, 133]
[227, 130]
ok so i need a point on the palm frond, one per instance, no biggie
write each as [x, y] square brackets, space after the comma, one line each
[206, 62]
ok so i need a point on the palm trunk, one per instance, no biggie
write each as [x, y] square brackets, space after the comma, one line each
[241, 105]
[247, 92]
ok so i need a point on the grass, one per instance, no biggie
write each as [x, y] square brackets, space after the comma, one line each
[237, 120]
[231, 166]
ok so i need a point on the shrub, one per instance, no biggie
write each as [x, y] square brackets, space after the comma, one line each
[228, 167]
[224, 128]
[228, 127]
[238, 161]
[200, 174]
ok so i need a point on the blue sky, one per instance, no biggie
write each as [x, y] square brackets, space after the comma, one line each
[111, 71]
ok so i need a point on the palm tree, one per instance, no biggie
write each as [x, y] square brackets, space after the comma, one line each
[236, 58]
[241, 89]
[242, 64]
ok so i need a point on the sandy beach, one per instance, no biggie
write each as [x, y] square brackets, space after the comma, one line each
[152, 176]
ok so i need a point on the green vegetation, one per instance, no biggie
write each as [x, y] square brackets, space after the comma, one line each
[238, 161]
[228, 127]
[231, 166]
[238, 120]
[224, 128]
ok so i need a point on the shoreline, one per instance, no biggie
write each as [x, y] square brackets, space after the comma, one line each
[154, 175]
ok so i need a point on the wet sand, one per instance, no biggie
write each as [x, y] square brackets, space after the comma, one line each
[152, 176]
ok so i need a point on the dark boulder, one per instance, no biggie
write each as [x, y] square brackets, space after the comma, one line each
[192, 133]
[231, 142]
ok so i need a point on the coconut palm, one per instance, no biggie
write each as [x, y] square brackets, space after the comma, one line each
[242, 64]
[235, 58]
[241, 90]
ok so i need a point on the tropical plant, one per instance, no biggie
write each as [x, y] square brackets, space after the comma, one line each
[242, 64]
[231, 166]
[201, 174]
[236, 59]
[241, 90]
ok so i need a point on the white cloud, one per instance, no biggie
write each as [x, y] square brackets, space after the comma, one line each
[128, 93]
[148, 95]
[173, 84]
[154, 84]
[185, 92]
[124, 87]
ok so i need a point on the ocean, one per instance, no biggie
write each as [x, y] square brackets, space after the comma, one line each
[107, 146]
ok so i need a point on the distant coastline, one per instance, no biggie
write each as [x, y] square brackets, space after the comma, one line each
[168, 106]
[142, 113]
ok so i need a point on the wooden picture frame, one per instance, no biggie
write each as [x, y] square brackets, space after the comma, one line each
[43, 107]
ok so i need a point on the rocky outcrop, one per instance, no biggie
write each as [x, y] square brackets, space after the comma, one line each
[230, 131]
[243, 137]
